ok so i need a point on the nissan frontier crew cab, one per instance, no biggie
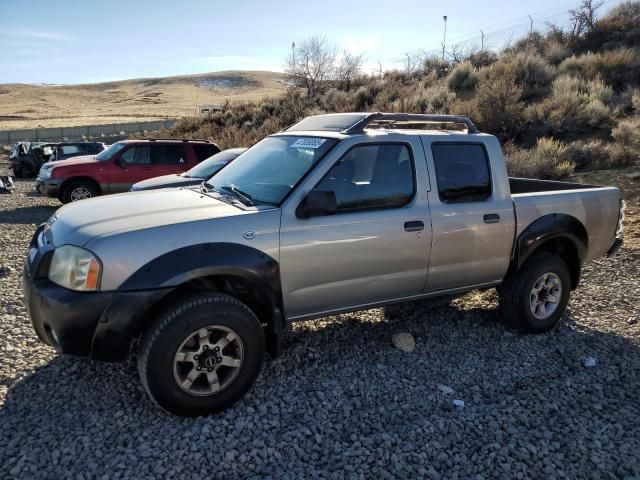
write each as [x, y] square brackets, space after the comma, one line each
[338, 213]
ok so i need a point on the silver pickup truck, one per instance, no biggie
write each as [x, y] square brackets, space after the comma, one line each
[338, 213]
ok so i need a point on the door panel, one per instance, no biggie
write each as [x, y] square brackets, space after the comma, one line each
[137, 167]
[354, 258]
[472, 232]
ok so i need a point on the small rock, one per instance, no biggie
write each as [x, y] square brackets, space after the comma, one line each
[403, 341]
[458, 404]
[590, 362]
[447, 390]
[632, 321]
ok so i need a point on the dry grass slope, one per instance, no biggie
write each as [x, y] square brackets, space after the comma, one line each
[30, 106]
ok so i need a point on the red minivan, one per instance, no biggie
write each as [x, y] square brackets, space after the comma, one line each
[115, 169]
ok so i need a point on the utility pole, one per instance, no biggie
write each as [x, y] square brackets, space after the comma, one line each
[444, 40]
[293, 54]
[482, 41]
[530, 24]
[197, 91]
[408, 63]
[380, 65]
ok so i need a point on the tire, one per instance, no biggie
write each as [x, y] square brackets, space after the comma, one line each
[177, 333]
[78, 190]
[17, 172]
[526, 290]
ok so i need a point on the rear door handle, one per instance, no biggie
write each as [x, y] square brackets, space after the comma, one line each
[414, 226]
[491, 218]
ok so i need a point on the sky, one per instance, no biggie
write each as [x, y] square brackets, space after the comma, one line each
[86, 41]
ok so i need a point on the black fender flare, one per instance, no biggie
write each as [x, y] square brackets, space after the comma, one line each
[176, 267]
[549, 227]
[156, 280]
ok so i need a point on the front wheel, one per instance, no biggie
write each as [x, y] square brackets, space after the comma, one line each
[202, 355]
[534, 297]
[78, 190]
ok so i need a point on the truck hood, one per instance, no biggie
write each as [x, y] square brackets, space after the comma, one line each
[80, 160]
[79, 222]
[167, 181]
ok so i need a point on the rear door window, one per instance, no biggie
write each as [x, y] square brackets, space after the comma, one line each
[204, 151]
[168, 155]
[70, 150]
[462, 171]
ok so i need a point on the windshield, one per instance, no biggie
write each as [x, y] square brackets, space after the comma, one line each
[211, 165]
[110, 152]
[270, 169]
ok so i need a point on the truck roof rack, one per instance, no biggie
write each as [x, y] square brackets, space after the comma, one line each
[350, 123]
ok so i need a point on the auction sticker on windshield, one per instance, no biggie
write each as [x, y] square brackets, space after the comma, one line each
[309, 142]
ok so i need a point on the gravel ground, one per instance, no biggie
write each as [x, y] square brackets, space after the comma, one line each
[342, 402]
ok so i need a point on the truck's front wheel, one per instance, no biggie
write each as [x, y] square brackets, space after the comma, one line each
[534, 297]
[202, 355]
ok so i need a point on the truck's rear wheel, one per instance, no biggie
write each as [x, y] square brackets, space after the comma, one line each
[534, 297]
[202, 355]
[79, 190]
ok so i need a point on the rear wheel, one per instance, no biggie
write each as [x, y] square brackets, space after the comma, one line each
[202, 355]
[79, 190]
[534, 297]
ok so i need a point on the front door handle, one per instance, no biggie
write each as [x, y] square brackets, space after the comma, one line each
[491, 218]
[414, 226]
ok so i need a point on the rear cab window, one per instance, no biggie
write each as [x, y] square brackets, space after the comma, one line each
[462, 171]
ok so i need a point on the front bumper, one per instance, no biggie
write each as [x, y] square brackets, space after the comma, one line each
[49, 187]
[100, 325]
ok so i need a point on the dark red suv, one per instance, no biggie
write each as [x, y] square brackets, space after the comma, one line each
[115, 169]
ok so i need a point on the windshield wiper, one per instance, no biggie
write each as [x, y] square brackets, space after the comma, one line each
[239, 193]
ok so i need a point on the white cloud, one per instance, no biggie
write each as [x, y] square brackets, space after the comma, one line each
[28, 33]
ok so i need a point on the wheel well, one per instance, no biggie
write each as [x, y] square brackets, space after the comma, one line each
[90, 180]
[245, 291]
[568, 251]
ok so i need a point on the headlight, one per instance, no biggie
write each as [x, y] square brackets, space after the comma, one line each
[75, 268]
[45, 173]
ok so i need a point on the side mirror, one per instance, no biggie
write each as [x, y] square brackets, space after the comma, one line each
[121, 162]
[317, 203]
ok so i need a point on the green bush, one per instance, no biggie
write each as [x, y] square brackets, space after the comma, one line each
[618, 68]
[497, 106]
[532, 73]
[627, 135]
[482, 58]
[589, 155]
[463, 78]
[574, 108]
[432, 100]
[620, 27]
[547, 160]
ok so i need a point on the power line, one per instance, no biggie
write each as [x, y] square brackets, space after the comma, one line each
[520, 23]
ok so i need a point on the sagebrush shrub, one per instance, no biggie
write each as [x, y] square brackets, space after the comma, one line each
[463, 78]
[618, 68]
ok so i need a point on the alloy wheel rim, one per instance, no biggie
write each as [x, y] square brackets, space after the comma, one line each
[545, 296]
[208, 360]
[80, 193]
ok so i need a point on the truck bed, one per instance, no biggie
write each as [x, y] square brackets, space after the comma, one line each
[531, 185]
[595, 207]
